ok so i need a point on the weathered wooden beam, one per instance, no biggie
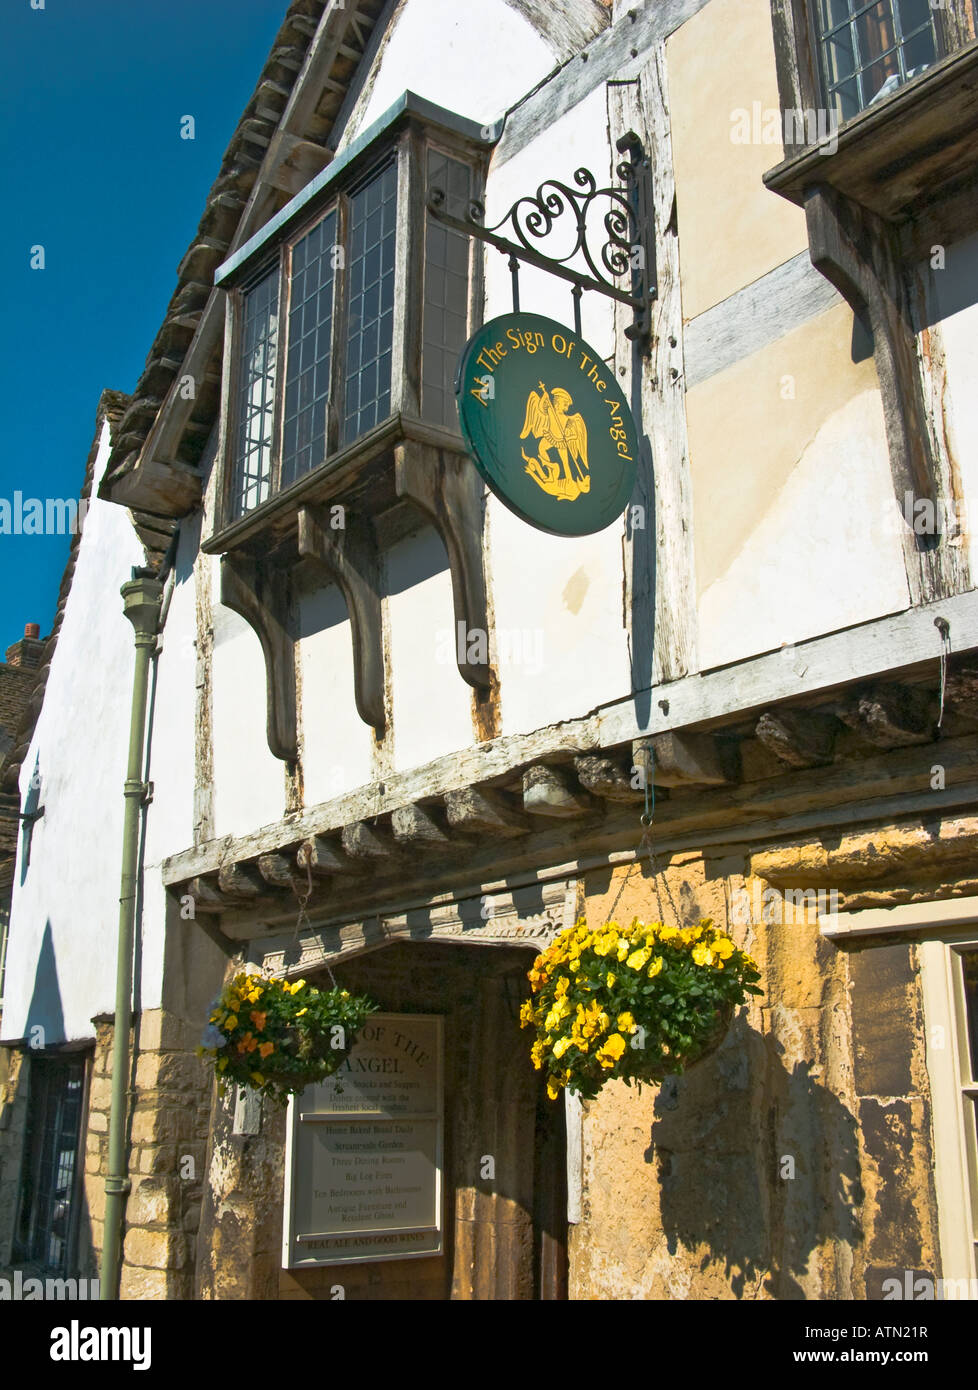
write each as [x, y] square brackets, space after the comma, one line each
[277, 869]
[548, 792]
[680, 760]
[892, 716]
[799, 738]
[362, 841]
[607, 778]
[412, 825]
[259, 593]
[240, 881]
[962, 690]
[448, 491]
[349, 556]
[483, 812]
[322, 857]
[206, 895]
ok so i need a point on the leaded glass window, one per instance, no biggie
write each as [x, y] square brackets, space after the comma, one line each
[370, 331]
[446, 291]
[347, 320]
[49, 1185]
[256, 393]
[309, 356]
[870, 49]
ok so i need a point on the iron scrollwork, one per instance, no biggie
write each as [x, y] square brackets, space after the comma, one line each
[609, 230]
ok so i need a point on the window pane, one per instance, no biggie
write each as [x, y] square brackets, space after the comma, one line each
[446, 292]
[373, 211]
[969, 964]
[48, 1191]
[308, 351]
[256, 395]
[869, 49]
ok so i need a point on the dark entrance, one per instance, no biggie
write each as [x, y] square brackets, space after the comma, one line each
[505, 1151]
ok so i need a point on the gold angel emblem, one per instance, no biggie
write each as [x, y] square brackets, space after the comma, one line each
[548, 421]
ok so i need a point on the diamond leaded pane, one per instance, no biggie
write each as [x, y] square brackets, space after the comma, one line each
[870, 47]
[370, 313]
[314, 263]
[256, 394]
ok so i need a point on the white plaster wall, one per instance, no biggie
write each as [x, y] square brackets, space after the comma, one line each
[560, 636]
[65, 912]
[806, 567]
[336, 743]
[432, 703]
[249, 783]
[450, 54]
[955, 298]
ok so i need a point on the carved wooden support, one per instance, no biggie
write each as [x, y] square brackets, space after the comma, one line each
[797, 737]
[447, 488]
[322, 857]
[680, 760]
[606, 777]
[277, 869]
[259, 593]
[240, 881]
[892, 716]
[349, 555]
[547, 792]
[364, 842]
[414, 826]
[857, 252]
[483, 812]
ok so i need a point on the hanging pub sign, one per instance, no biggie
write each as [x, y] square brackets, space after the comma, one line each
[364, 1152]
[547, 424]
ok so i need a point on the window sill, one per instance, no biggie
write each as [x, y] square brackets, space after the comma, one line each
[339, 480]
[916, 147]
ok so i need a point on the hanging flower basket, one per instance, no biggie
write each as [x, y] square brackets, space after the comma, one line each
[635, 1003]
[277, 1037]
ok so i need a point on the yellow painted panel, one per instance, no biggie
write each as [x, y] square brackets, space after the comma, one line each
[731, 229]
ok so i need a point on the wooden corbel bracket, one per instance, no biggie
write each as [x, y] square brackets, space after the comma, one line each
[856, 251]
[349, 555]
[447, 489]
[259, 593]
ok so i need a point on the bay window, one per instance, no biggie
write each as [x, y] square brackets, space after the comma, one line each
[347, 314]
[868, 49]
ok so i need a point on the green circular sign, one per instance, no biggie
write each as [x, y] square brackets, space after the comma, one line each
[547, 424]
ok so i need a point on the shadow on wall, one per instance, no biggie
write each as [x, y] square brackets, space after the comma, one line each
[45, 1022]
[759, 1164]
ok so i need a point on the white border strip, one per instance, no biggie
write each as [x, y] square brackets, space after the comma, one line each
[874, 921]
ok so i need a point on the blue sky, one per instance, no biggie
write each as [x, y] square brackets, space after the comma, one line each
[95, 171]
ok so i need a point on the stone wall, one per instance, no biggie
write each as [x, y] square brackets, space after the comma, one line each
[795, 1163]
[14, 1067]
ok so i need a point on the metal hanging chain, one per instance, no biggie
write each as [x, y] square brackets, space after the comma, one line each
[304, 860]
[514, 270]
[646, 842]
[944, 628]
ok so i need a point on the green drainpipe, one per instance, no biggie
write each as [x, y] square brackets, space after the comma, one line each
[141, 604]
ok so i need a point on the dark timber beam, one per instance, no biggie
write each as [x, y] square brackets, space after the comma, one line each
[447, 489]
[259, 593]
[349, 555]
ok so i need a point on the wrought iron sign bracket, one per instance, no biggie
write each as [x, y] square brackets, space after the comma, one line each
[611, 230]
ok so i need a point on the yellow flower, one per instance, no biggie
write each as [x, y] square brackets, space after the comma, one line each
[668, 933]
[611, 981]
[560, 1047]
[526, 1013]
[609, 1053]
[723, 947]
[302, 1011]
[257, 1078]
[702, 955]
[553, 1088]
[230, 1023]
[536, 1054]
[626, 1023]
[638, 959]
[563, 985]
[622, 949]
[655, 967]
